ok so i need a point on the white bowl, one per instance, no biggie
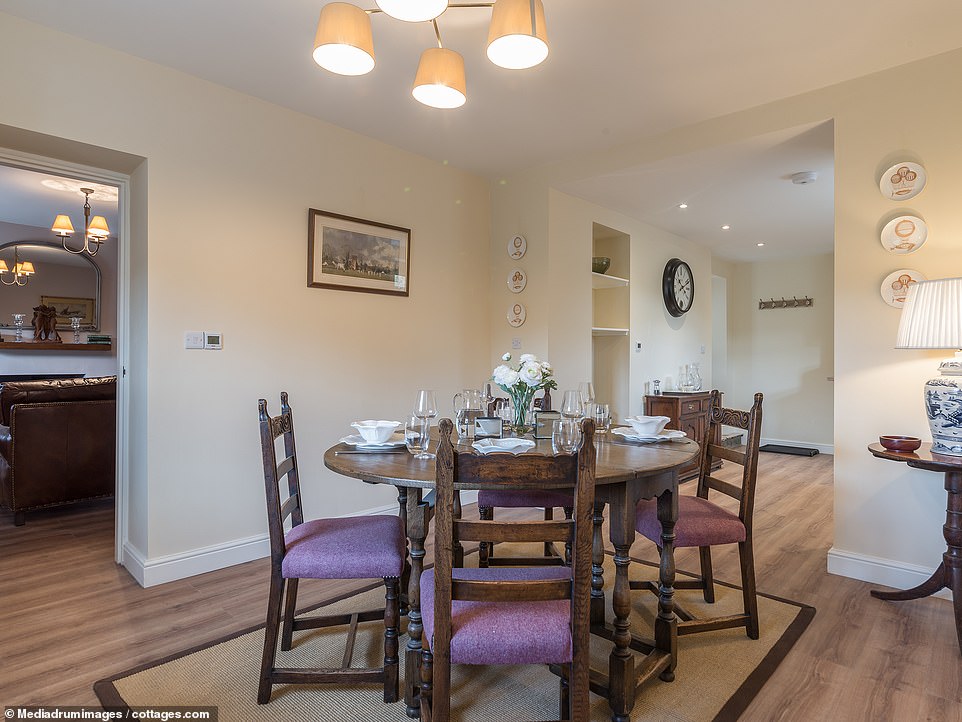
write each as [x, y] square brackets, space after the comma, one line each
[648, 425]
[374, 431]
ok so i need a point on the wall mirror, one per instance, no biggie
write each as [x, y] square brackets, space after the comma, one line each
[68, 281]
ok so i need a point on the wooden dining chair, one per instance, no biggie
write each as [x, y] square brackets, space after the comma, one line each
[359, 547]
[534, 615]
[704, 524]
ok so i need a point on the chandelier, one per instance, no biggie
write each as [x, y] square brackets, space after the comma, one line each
[95, 229]
[517, 39]
[22, 270]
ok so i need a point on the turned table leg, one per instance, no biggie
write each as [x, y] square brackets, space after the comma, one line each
[666, 623]
[418, 518]
[621, 662]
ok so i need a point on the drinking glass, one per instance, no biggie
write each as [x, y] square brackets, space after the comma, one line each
[425, 408]
[565, 436]
[573, 405]
[417, 437]
[602, 416]
[587, 393]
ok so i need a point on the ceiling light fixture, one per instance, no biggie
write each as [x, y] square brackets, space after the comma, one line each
[726, 227]
[95, 229]
[517, 39]
[683, 206]
[22, 270]
[759, 244]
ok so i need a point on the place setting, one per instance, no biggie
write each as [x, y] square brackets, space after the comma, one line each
[647, 430]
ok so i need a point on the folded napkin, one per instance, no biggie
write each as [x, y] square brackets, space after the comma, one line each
[509, 446]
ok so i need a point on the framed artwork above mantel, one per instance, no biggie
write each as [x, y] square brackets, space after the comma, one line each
[352, 254]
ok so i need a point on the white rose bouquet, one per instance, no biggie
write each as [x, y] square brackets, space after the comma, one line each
[520, 384]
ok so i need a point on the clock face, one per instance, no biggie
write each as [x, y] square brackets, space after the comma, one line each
[678, 287]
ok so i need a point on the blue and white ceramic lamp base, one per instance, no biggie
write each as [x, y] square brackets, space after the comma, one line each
[943, 406]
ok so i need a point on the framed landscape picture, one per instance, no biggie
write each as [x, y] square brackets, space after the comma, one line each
[68, 307]
[357, 255]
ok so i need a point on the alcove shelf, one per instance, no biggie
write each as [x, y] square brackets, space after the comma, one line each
[44, 346]
[600, 331]
[600, 280]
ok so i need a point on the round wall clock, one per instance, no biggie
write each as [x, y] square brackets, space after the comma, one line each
[517, 247]
[678, 287]
[517, 280]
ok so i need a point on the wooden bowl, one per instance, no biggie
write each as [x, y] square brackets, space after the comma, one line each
[900, 443]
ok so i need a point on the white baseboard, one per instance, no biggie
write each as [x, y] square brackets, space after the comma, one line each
[169, 568]
[884, 572]
[822, 448]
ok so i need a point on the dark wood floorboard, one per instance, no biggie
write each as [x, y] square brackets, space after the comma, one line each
[70, 616]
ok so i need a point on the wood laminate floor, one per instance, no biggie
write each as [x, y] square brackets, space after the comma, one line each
[70, 616]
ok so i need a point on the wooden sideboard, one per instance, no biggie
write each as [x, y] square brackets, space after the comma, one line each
[688, 412]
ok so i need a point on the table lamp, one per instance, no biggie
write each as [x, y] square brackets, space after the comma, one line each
[932, 318]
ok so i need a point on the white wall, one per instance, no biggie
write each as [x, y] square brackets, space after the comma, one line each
[787, 354]
[219, 243]
[884, 511]
[558, 296]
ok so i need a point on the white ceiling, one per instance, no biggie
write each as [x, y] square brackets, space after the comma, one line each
[744, 185]
[618, 71]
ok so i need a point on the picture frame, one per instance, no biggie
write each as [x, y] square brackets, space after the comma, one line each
[68, 307]
[353, 254]
[543, 421]
[488, 427]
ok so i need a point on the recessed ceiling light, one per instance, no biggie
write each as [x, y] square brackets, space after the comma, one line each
[726, 227]
[683, 206]
[759, 244]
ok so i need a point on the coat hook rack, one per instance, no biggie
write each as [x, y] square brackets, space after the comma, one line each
[792, 302]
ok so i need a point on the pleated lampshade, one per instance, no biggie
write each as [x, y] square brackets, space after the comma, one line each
[932, 315]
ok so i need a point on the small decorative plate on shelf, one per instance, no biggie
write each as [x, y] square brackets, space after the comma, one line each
[902, 181]
[517, 280]
[896, 286]
[904, 234]
[517, 247]
[517, 314]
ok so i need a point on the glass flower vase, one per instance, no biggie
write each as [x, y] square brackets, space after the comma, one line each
[520, 412]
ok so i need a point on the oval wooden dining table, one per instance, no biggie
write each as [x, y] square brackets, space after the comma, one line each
[624, 474]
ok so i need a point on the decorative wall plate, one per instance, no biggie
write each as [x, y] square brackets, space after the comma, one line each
[517, 280]
[902, 181]
[896, 286]
[517, 313]
[517, 247]
[904, 234]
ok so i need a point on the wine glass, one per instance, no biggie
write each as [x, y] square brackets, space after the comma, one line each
[573, 405]
[587, 393]
[425, 408]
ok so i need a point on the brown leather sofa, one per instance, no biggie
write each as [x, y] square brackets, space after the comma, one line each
[57, 442]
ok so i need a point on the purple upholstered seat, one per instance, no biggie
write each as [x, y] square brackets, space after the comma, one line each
[700, 523]
[504, 632]
[520, 498]
[357, 547]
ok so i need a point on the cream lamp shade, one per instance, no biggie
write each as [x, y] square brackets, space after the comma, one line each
[517, 37]
[62, 225]
[440, 79]
[413, 11]
[98, 228]
[344, 43]
[932, 315]
[932, 318]
[3, 267]
[25, 268]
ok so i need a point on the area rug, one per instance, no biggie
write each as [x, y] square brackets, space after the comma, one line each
[717, 676]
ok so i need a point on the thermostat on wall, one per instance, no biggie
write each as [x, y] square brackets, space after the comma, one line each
[213, 340]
